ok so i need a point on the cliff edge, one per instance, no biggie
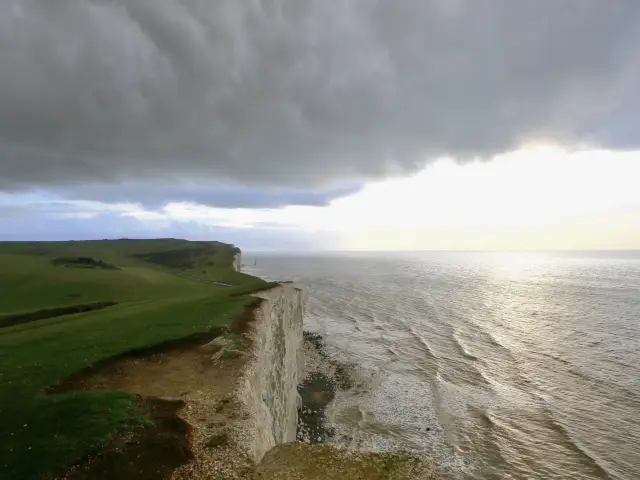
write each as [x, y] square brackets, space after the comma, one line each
[192, 372]
[268, 387]
[234, 425]
[249, 432]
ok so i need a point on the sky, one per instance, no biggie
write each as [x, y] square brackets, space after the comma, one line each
[317, 125]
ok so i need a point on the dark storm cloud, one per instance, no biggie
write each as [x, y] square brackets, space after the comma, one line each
[299, 93]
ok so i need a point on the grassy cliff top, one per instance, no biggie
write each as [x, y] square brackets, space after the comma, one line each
[150, 292]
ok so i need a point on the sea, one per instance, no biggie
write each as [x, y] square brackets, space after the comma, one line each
[493, 365]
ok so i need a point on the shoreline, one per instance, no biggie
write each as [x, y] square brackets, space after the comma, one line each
[324, 377]
[317, 390]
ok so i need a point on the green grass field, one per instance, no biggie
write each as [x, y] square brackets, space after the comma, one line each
[41, 433]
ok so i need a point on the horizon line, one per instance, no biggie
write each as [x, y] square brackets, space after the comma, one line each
[448, 251]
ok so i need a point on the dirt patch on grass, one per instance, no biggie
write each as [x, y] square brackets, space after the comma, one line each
[215, 414]
[146, 453]
[188, 387]
[175, 370]
[127, 370]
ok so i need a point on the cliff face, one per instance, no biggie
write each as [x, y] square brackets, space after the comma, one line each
[270, 400]
[247, 400]
[269, 382]
[237, 262]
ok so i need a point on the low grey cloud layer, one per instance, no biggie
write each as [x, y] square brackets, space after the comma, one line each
[152, 196]
[300, 94]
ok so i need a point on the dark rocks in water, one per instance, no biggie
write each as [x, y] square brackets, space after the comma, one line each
[344, 377]
[316, 392]
[343, 374]
[315, 339]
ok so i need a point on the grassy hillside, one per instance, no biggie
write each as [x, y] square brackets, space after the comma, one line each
[30, 279]
[42, 432]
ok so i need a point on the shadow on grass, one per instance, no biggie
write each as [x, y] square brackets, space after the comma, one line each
[10, 320]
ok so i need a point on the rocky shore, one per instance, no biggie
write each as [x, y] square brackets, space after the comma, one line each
[322, 377]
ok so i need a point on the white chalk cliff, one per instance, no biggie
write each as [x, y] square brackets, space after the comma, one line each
[268, 387]
[237, 262]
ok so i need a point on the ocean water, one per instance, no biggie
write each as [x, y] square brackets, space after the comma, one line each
[495, 365]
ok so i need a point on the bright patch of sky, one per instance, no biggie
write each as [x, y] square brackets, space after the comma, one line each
[537, 197]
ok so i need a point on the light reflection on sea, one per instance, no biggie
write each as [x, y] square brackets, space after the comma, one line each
[497, 365]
